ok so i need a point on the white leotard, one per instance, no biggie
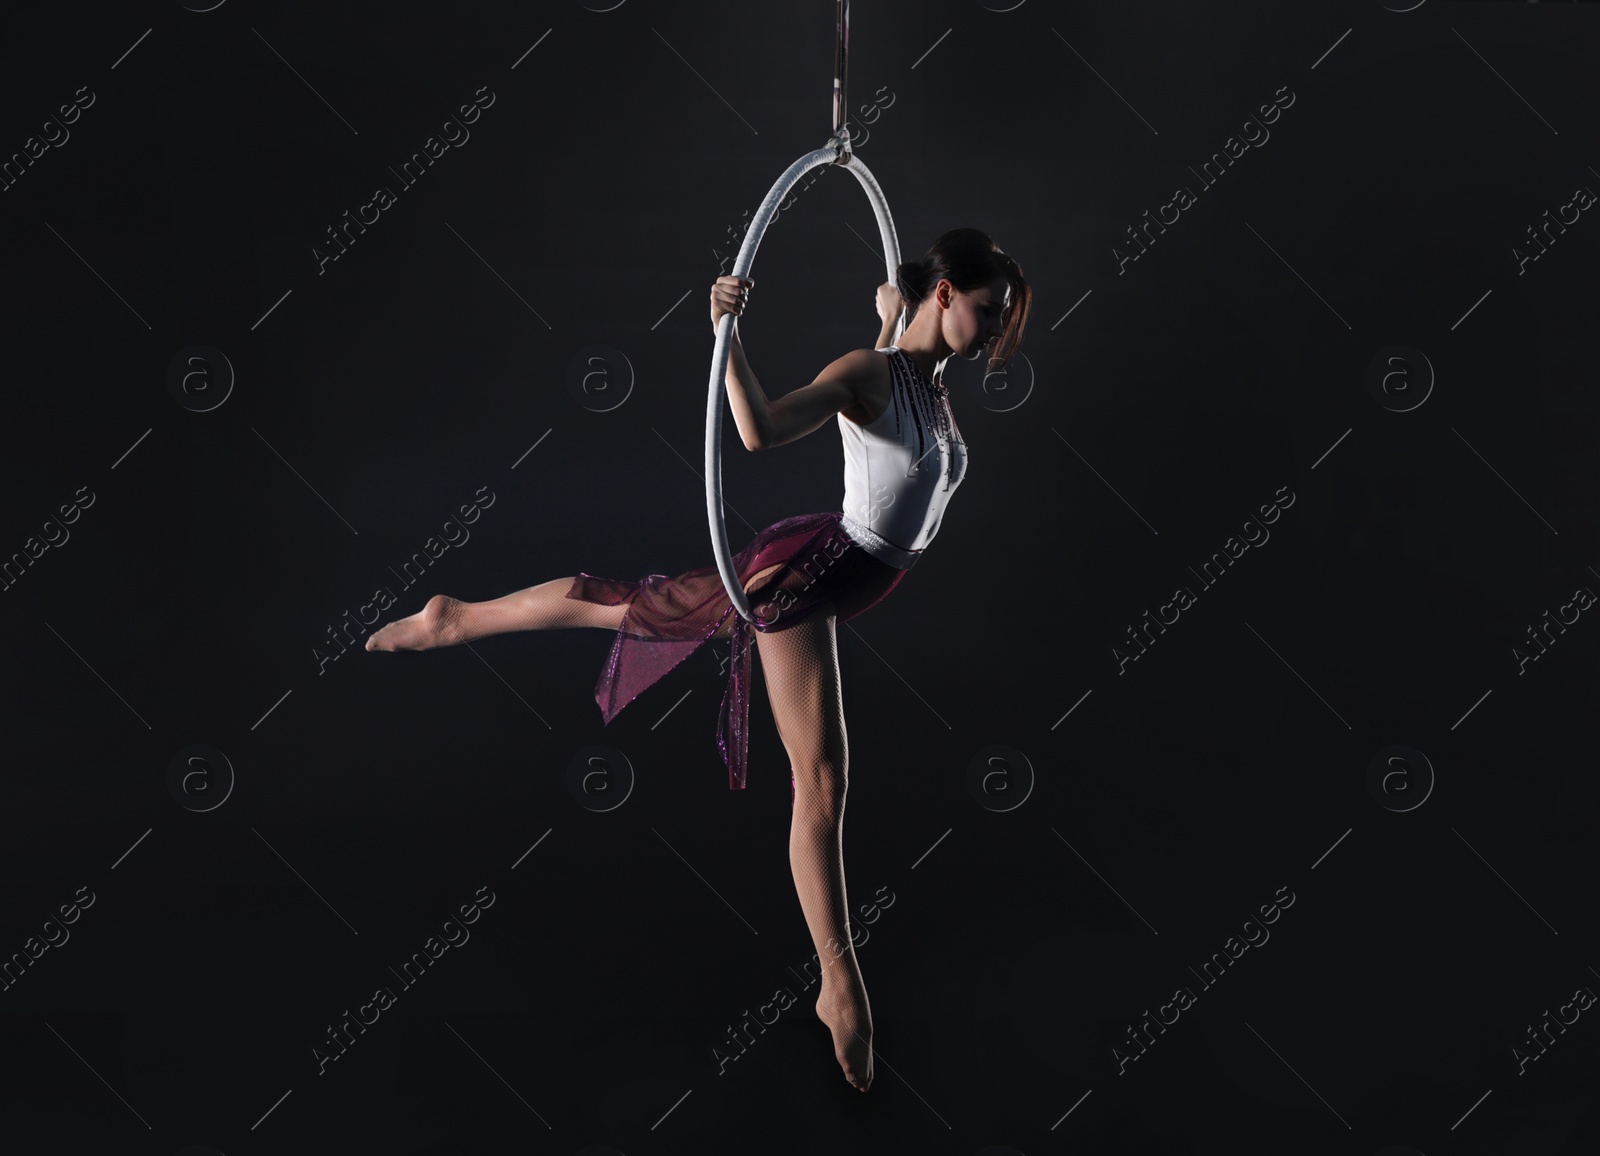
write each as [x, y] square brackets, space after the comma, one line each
[900, 470]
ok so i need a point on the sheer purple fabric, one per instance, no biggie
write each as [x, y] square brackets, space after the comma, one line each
[669, 618]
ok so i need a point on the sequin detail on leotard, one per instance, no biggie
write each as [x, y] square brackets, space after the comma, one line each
[901, 468]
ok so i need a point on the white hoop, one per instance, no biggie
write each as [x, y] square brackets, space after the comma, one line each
[829, 154]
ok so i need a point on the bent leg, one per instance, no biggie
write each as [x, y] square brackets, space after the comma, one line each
[801, 667]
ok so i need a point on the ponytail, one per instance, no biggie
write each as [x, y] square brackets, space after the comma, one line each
[968, 258]
[911, 278]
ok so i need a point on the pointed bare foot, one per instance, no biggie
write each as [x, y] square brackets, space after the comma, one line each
[849, 1018]
[436, 624]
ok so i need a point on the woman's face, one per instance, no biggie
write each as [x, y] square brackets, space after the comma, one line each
[972, 322]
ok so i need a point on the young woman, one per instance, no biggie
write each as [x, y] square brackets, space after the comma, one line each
[904, 457]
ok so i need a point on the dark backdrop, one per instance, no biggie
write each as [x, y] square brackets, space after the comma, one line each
[1343, 372]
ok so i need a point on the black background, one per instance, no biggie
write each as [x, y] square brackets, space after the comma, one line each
[1155, 406]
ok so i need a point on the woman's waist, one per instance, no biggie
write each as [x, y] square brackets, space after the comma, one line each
[878, 545]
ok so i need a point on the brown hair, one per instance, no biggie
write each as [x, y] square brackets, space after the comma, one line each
[968, 259]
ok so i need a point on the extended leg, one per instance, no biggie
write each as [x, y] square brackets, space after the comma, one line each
[445, 621]
[801, 667]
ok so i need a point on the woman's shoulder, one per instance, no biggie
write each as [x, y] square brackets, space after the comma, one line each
[874, 389]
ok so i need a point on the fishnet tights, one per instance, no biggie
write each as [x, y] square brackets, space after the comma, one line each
[543, 607]
[800, 665]
[801, 669]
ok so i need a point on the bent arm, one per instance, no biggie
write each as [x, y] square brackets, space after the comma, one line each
[745, 396]
[886, 334]
[765, 424]
[809, 408]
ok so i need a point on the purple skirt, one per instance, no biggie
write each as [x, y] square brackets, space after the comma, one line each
[669, 618]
